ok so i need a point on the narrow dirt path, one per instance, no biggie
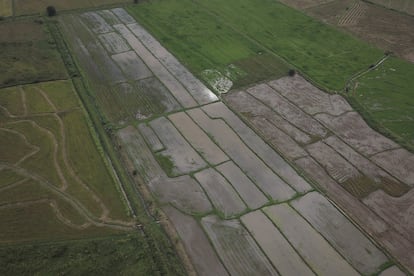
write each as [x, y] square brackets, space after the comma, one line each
[105, 210]
[72, 201]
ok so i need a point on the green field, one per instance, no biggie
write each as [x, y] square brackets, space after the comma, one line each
[205, 42]
[28, 54]
[211, 33]
[386, 95]
[57, 179]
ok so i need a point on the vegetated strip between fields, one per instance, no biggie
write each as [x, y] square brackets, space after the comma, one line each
[155, 237]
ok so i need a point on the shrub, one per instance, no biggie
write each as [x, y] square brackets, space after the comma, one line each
[51, 11]
[292, 72]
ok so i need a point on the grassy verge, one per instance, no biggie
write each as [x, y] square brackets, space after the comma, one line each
[163, 259]
[385, 97]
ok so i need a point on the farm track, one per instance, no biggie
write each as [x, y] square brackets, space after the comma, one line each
[58, 150]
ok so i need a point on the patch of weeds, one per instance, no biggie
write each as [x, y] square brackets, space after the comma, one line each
[166, 164]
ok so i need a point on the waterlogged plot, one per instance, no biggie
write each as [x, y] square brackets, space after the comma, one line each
[111, 54]
[308, 97]
[340, 233]
[313, 248]
[256, 169]
[247, 190]
[196, 88]
[132, 66]
[196, 244]
[274, 245]
[287, 110]
[183, 157]
[237, 249]
[198, 139]
[113, 43]
[96, 23]
[175, 87]
[221, 193]
[258, 146]
[251, 107]
[398, 211]
[354, 131]
[183, 192]
[277, 138]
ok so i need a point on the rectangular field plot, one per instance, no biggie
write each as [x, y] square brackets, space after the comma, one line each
[308, 97]
[271, 184]
[341, 170]
[113, 43]
[183, 158]
[340, 233]
[288, 111]
[198, 139]
[248, 191]
[132, 65]
[175, 87]
[237, 249]
[197, 245]
[314, 249]
[122, 83]
[258, 146]
[183, 192]
[196, 88]
[222, 194]
[96, 23]
[275, 246]
[355, 132]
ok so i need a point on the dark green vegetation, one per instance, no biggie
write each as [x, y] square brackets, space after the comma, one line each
[386, 96]
[27, 54]
[211, 34]
[129, 254]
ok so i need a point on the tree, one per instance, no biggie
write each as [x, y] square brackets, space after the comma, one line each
[292, 72]
[51, 11]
